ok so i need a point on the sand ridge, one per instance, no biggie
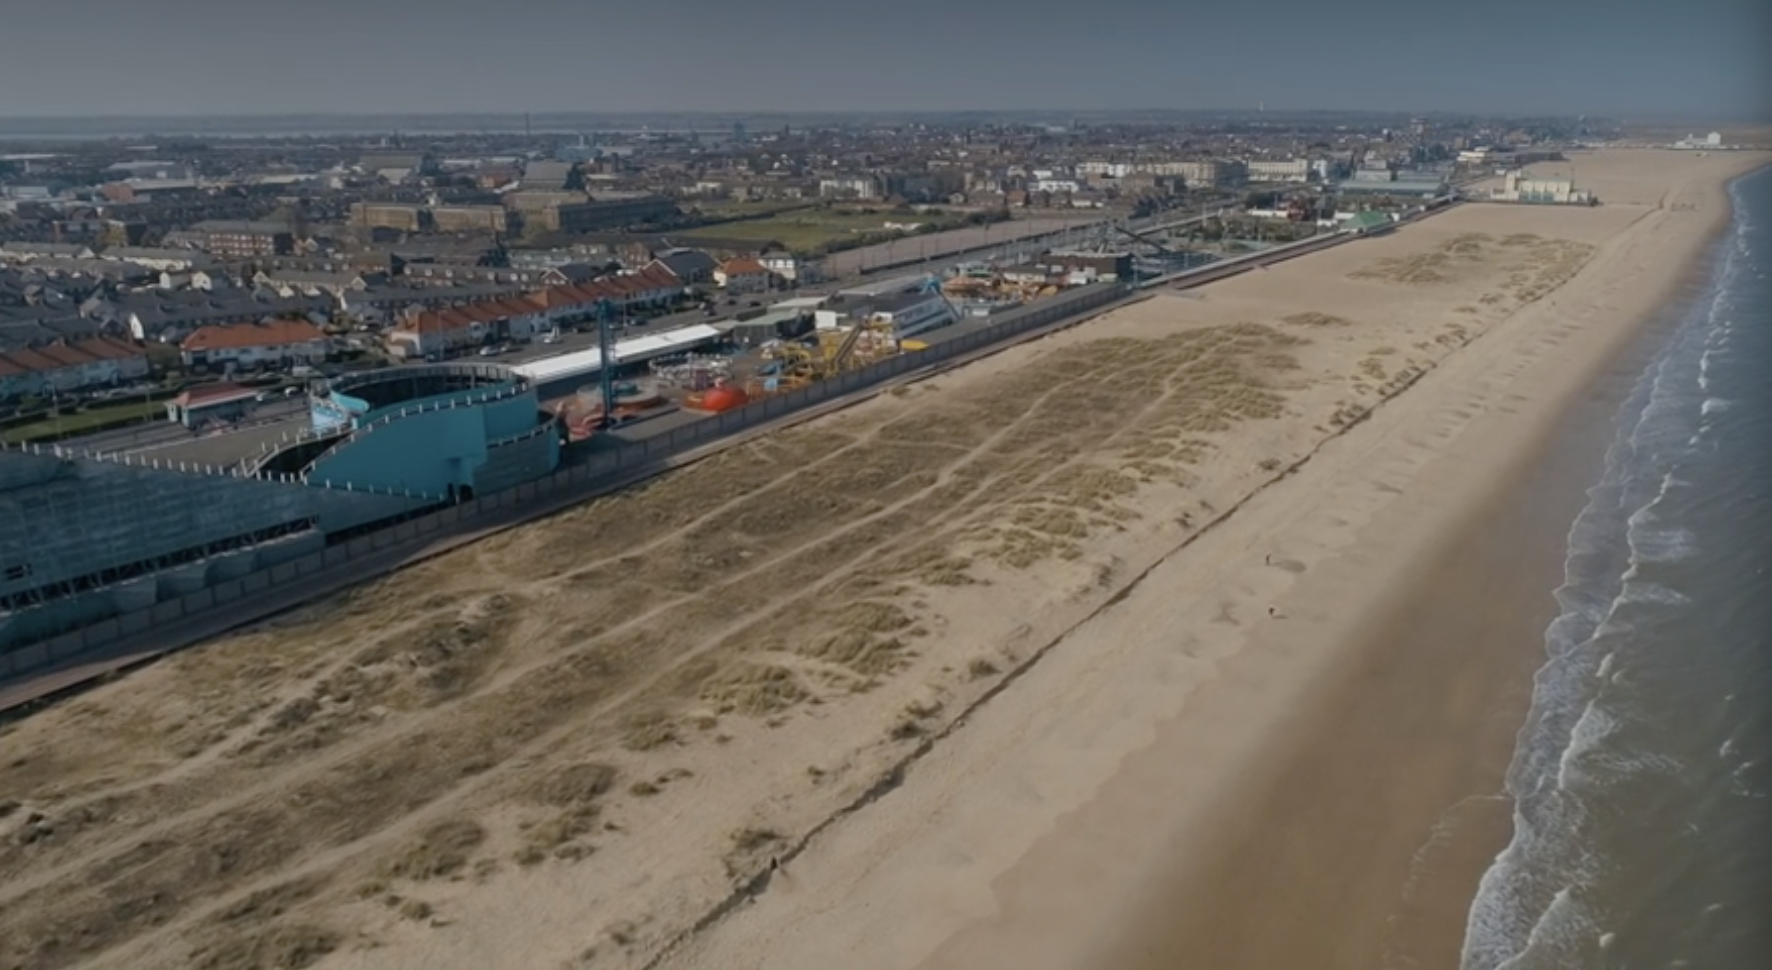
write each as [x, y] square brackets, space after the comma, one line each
[567, 745]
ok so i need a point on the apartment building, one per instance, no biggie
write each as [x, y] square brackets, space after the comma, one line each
[857, 187]
[1279, 170]
[232, 239]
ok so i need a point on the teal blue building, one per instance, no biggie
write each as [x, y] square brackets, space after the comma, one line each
[442, 430]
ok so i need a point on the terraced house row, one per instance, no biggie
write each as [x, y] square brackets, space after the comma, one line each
[429, 333]
[70, 365]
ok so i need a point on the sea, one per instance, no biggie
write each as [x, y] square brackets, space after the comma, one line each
[1642, 778]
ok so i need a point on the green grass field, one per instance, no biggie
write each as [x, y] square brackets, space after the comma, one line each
[83, 421]
[809, 231]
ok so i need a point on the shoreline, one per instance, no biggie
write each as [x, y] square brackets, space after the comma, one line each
[1105, 875]
[1488, 585]
[986, 665]
[1382, 866]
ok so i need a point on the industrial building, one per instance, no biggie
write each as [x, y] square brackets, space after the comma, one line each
[473, 218]
[379, 215]
[1405, 184]
[418, 218]
[608, 210]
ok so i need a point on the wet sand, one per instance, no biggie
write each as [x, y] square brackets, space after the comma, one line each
[1284, 746]
[1412, 739]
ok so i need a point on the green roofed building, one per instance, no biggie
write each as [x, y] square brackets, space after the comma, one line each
[1367, 222]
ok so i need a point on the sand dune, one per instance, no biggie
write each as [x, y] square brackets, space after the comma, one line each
[904, 649]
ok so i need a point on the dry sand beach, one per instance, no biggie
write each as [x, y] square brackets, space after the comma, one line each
[989, 662]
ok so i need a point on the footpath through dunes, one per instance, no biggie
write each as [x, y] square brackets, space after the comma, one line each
[569, 744]
[1120, 805]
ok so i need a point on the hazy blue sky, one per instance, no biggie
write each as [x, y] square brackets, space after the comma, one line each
[1624, 57]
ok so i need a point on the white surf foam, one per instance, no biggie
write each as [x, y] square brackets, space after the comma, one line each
[1525, 903]
[1591, 730]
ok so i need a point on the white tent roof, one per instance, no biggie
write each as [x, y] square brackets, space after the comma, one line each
[626, 351]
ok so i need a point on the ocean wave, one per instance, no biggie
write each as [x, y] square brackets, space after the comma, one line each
[1557, 938]
[1672, 544]
[1575, 743]
[1640, 593]
[1591, 730]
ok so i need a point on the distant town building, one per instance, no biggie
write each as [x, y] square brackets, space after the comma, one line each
[546, 176]
[1374, 182]
[1279, 170]
[857, 187]
[1098, 169]
[472, 218]
[289, 283]
[608, 210]
[375, 215]
[1198, 173]
[20, 252]
[397, 166]
[1517, 186]
[236, 239]
[165, 260]
[1714, 140]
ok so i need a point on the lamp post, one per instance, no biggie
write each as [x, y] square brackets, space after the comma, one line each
[606, 363]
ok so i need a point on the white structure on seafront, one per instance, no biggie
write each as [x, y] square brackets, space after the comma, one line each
[1712, 141]
[1517, 186]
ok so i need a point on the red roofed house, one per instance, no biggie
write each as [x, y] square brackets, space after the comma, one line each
[652, 286]
[436, 333]
[744, 275]
[443, 332]
[439, 333]
[69, 366]
[255, 344]
[210, 402]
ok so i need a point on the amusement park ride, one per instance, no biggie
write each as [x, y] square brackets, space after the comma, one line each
[606, 350]
[790, 365]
